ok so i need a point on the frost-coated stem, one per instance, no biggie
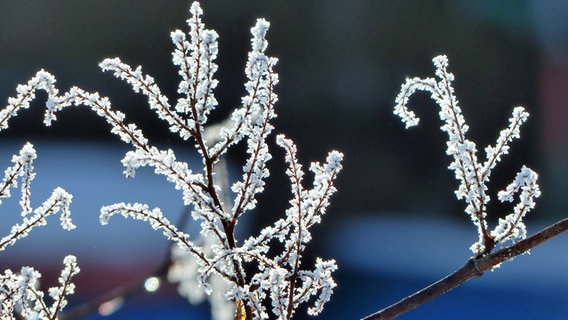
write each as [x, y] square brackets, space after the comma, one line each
[472, 175]
[472, 269]
[246, 274]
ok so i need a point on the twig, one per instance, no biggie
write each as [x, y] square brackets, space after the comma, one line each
[474, 268]
[125, 292]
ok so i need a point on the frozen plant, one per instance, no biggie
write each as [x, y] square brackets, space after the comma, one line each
[23, 169]
[472, 174]
[264, 274]
[18, 291]
[473, 177]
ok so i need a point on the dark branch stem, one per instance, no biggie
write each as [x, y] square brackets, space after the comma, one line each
[125, 292]
[474, 268]
[122, 292]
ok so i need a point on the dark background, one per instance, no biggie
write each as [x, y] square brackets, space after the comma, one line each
[341, 66]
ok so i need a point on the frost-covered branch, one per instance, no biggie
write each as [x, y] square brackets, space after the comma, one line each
[19, 293]
[23, 167]
[511, 227]
[473, 178]
[472, 175]
[218, 260]
[23, 170]
[59, 200]
[264, 276]
[26, 93]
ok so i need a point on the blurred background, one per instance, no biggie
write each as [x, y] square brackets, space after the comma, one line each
[393, 227]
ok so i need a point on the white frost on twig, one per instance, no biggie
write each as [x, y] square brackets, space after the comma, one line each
[220, 262]
[19, 293]
[472, 175]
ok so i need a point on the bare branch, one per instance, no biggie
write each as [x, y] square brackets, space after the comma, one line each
[474, 268]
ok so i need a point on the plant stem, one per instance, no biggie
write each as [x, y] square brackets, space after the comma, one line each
[474, 268]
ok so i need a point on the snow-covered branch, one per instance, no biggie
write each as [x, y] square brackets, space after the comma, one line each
[472, 175]
[218, 260]
[473, 178]
[266, 275]
[19, 293]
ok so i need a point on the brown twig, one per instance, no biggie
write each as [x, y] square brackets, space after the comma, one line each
[474, 268]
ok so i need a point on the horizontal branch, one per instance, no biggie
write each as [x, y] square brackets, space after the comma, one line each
[475, 267]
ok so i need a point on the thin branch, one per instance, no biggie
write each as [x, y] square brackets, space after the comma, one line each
[474, 268]
[126, 292]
